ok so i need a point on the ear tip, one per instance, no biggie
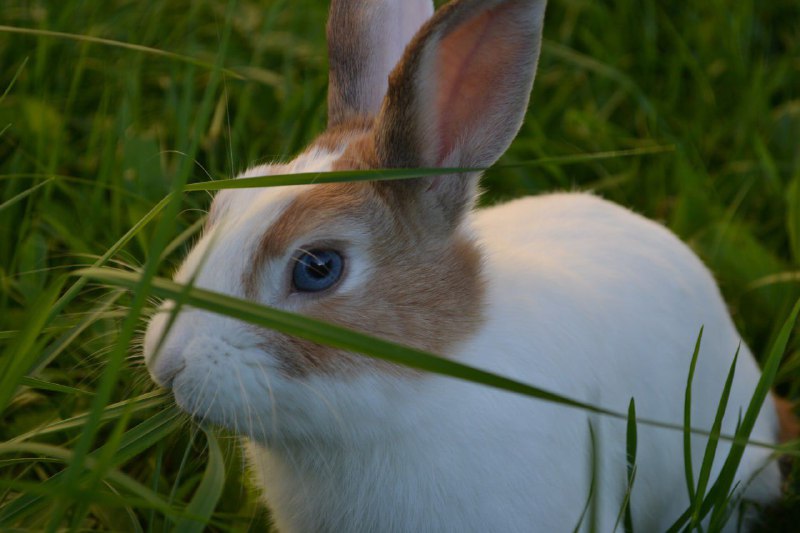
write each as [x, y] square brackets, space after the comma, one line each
[461, 91]
[366, 38]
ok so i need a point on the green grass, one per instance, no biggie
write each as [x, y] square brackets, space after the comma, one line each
[107, 107]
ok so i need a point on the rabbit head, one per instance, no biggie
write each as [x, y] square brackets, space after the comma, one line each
[395, 259]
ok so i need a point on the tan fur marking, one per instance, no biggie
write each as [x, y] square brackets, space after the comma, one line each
[789, 425]
[788, 431]
[359, 155]
[482, 82]
[317, 208]
[348, 58]
[339, 136]
[424, 291]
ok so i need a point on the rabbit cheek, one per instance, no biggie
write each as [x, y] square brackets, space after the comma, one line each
[429, 295]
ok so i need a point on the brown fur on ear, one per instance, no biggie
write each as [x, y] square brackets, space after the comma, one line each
[365, 40]
[460, 92]
[457, 99]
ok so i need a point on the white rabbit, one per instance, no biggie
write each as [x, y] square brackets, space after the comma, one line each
[564, 291]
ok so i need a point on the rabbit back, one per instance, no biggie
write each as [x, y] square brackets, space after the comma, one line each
[588, 299]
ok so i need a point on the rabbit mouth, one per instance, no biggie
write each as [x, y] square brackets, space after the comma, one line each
[223, 385]
[169, 376]
[206, 401]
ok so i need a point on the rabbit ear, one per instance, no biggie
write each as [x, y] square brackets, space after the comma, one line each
[366, 38]
[458, 96]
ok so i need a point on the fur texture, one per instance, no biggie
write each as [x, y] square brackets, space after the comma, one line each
[564, 291]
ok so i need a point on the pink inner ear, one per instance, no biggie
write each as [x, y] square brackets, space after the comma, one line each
[476, 64]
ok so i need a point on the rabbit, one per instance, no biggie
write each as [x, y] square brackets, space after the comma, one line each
[564, 291]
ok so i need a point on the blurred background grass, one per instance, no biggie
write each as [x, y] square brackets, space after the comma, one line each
[92, 135]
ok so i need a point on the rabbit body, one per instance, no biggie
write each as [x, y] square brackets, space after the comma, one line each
[566, 292]
[585, 299]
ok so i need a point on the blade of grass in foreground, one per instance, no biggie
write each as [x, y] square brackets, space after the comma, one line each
[590, 508]
[328, 334]
[721, 489]
[711, 445]
[55, 348]
[630, 452]
[76, 287]
[687, 420]
[205, 498]
[339, 337]
[13, 79]
[307, 178]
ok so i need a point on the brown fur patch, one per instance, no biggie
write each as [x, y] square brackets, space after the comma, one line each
[336, 137]
[789, 430]
[789, 425]
[348, 57]
[423, 291]
[465, 81]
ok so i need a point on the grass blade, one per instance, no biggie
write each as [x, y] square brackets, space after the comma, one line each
[76, 287]
[17, 354]
[722, 487]
[630, 445]
[133, 405]
[687, 420]
[711, 446]
[40, 384]
[328, 334]
[336, 336]
[306, 178]
[24, 194]
[205, 499]
[630, 454]
[117, 44]
[591, 498]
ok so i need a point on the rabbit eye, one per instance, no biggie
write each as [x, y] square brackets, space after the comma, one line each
[317, 270]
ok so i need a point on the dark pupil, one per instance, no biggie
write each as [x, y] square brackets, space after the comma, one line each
[318, 267]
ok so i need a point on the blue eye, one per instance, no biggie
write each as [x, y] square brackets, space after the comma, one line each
[317, 270]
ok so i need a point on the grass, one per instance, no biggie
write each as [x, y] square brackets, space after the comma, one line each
[108, 107]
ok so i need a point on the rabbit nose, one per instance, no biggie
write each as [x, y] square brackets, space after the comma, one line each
[165, 366]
